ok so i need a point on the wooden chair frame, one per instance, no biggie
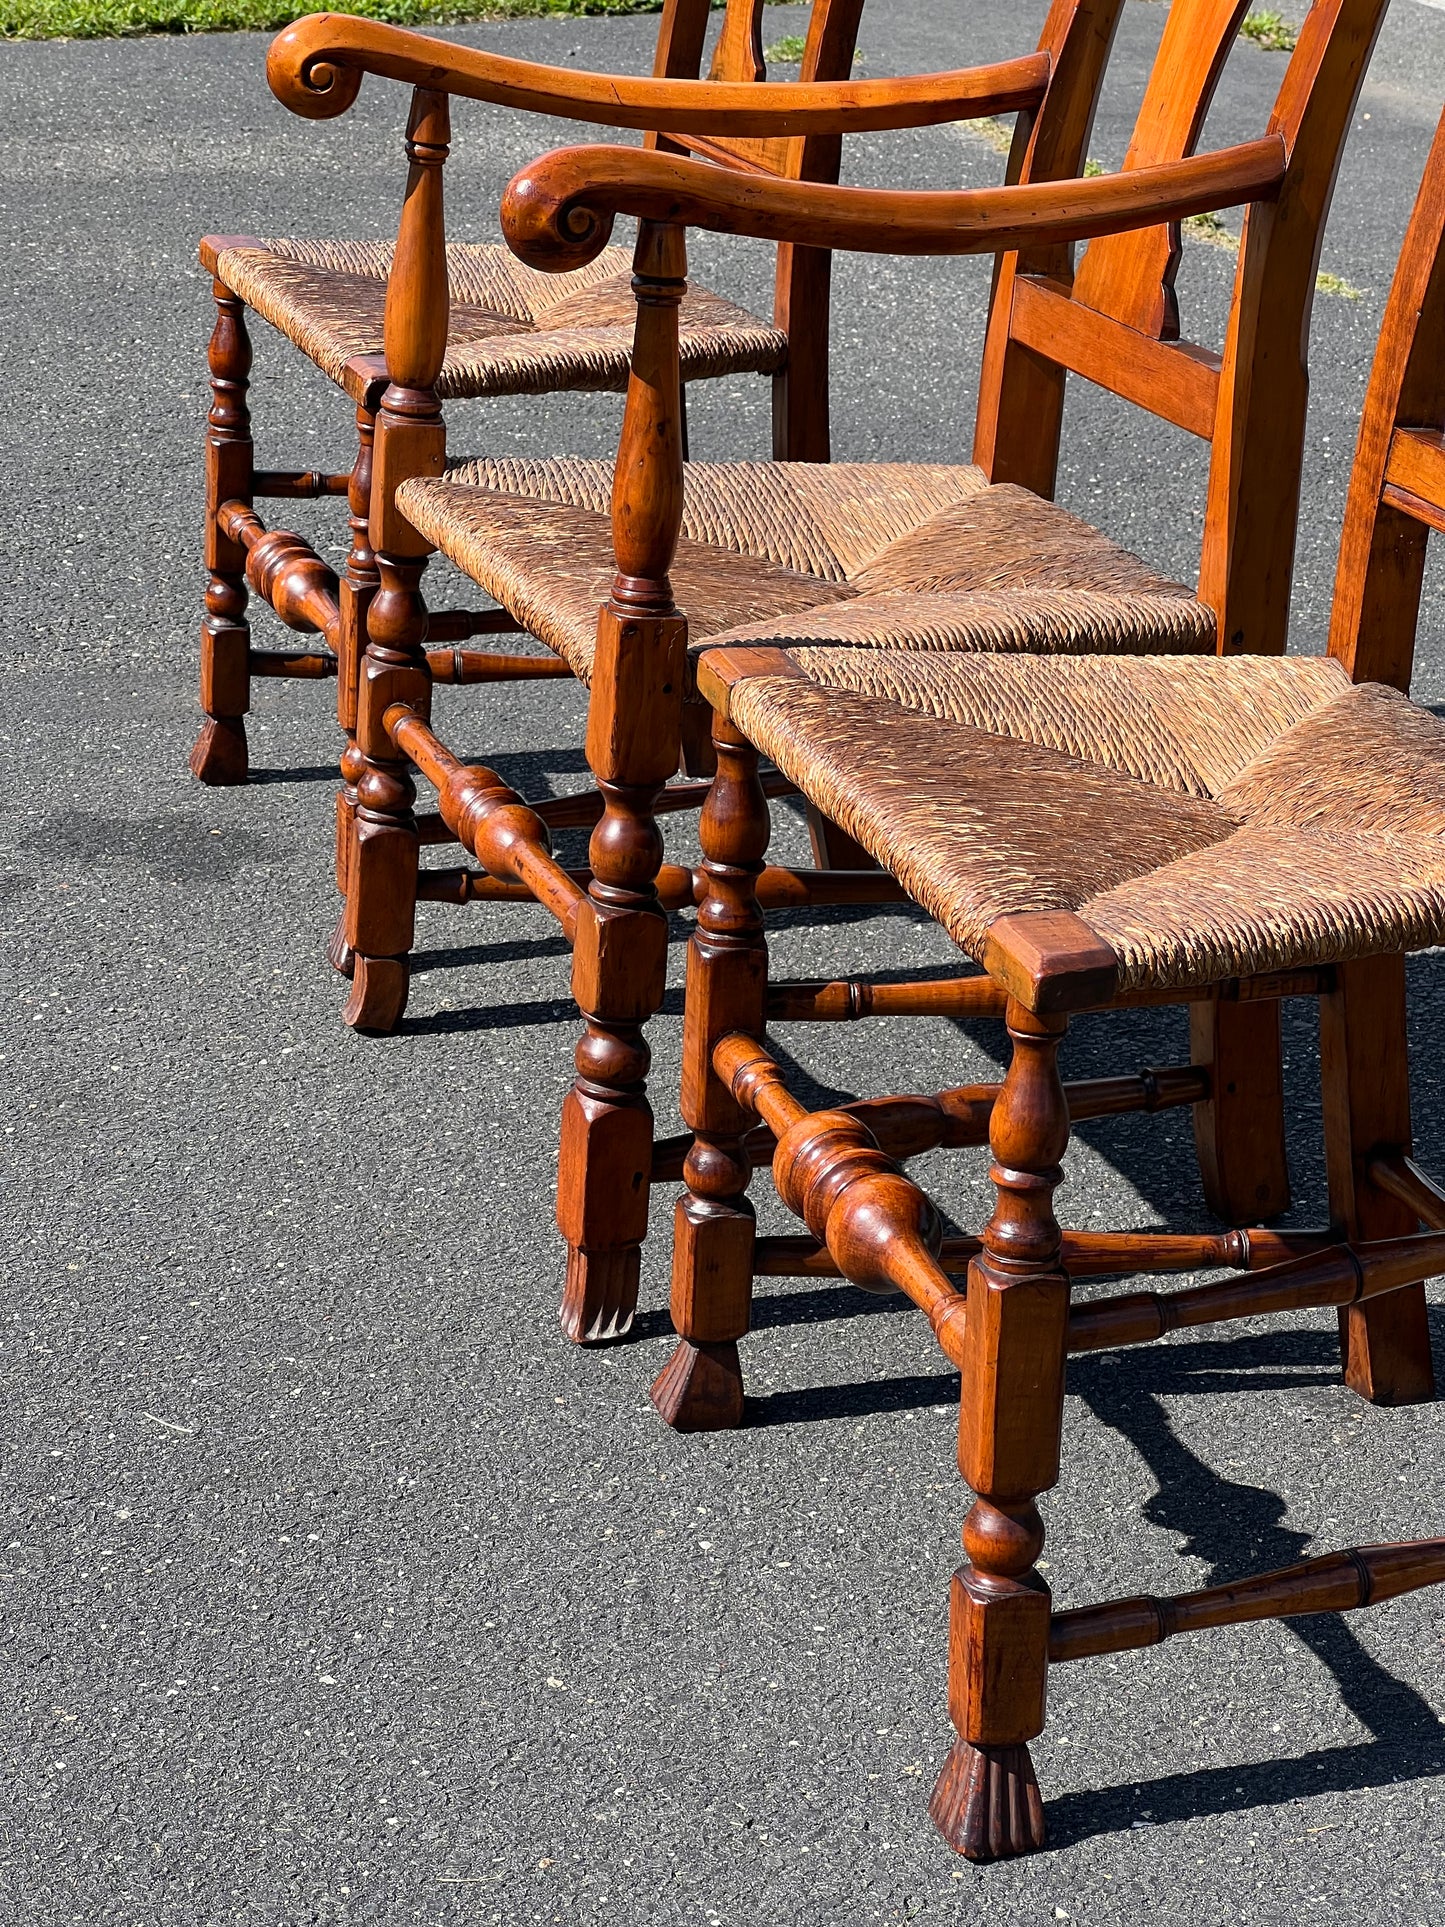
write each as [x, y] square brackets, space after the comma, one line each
[792, 130]
[1011, 1331]
[558, 213]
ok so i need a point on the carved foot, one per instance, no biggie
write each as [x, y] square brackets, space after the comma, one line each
[600, 1295]
[339, 953]
[219, 757]
[378, 994]
[986, 1803]
[700, 1389]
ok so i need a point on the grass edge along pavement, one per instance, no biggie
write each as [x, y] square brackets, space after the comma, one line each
[112, 19]
[117, 19]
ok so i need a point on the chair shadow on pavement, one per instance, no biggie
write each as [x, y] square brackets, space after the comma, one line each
[1237, 1529]
[1232, 1527]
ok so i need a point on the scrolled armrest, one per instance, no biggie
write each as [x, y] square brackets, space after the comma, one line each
[315, 67]
[558, 212]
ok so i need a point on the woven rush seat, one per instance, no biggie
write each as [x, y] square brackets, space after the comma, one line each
[512, 331]
[1208, 819]
[892, 555]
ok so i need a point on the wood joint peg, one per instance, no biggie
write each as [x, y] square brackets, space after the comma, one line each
[1050, 960]
[382, 684]
[998, 1656]
[634, 719]
[619, 962]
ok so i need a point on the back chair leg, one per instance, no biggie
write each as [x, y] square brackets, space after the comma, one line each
[381, 869]
[1239, 1130]
[359, 584]
[986, 1803]
[1364, 1069]
[219, 756]
[701, 1387]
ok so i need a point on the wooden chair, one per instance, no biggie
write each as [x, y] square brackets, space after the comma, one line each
[508, 331]
[791, 551]
[1096, 834]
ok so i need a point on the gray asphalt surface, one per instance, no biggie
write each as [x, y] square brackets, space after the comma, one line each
[336, 1587]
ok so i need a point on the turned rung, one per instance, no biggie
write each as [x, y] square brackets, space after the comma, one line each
[1086, 1254]
[1338, 1582]
[456, 625]
[456, 884]
[286, 572]
[955, 1120]
[241, 523]
[1398, 1174]
[780, 888]
[843, 1001]
[676, 887]
[490, 821]
[297, 483]
[476, 666]
[307, 663]
[799, 1256]
[1340, 1275]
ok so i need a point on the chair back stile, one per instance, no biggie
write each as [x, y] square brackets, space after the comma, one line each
[803, 278]
[1397, 484]
[1115, 319]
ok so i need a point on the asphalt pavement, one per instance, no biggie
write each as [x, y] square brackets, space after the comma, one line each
[336, 1587]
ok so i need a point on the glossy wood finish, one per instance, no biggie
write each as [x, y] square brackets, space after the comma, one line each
[220, 754]
[1339, 1582]
[701, 1387]
[1359, 1277]
[986, 1803]
[1397, 485]
[315, 67]
[1011, 1332]
[558, 212]
[634, 725]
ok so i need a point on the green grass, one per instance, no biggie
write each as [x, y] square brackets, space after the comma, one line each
[786, 52]
[1270, 30]
[106, 19]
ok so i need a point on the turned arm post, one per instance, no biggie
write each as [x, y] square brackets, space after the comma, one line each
[634, 726]
[410, 440]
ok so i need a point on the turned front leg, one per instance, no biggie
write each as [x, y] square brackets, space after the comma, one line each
[701, 1387]
[986, 1803]
[619, 975]
[359, 584]
[634, 740]
[220, 755]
